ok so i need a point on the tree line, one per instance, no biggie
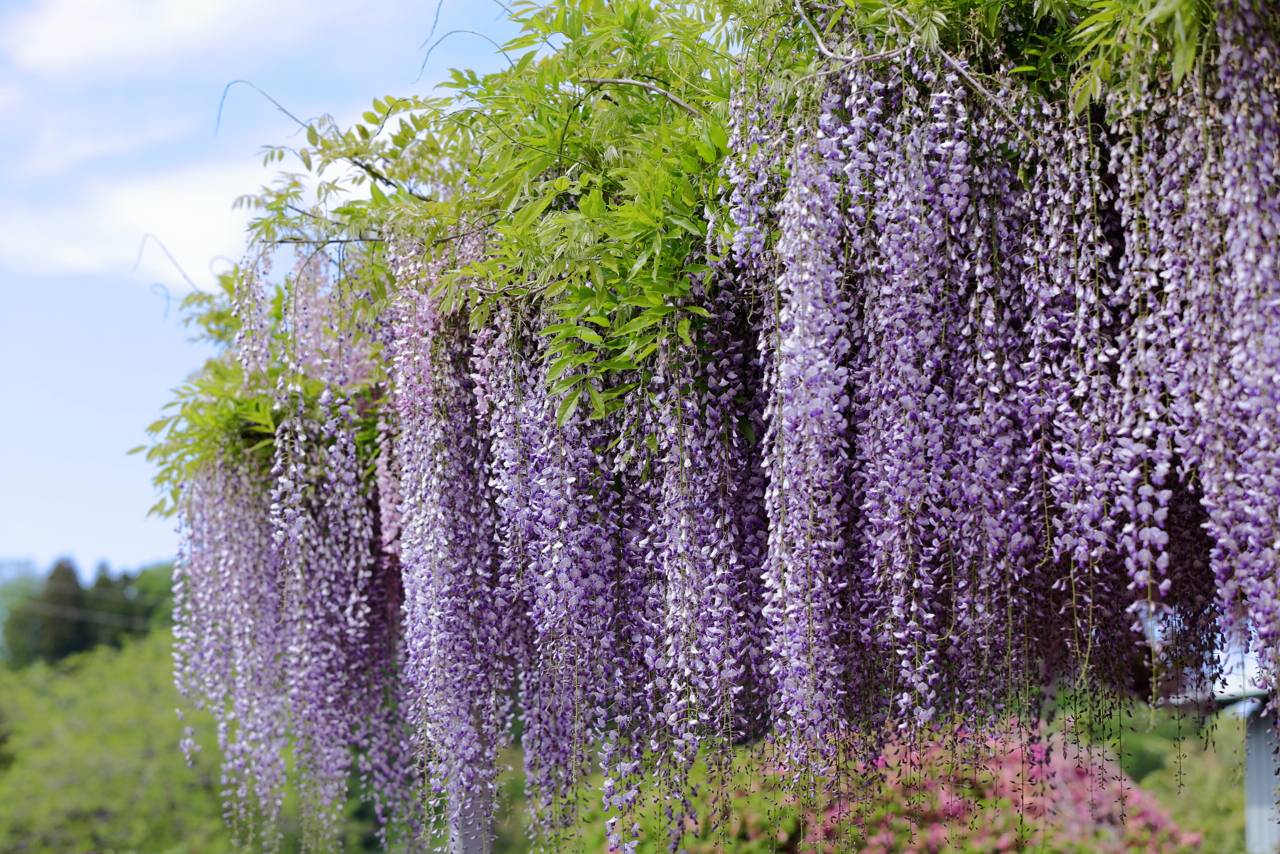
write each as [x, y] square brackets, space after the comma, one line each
[47, 619]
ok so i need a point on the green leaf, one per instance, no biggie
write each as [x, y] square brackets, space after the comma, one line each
[591, 205]
[597, 402]
[567, 383]
[718, 134]
[568, 406]
[639, 324]
[688, 226]
[561, 365]
[645, 352]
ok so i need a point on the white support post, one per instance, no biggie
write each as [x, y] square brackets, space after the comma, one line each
[467, 833]
[1261, 819]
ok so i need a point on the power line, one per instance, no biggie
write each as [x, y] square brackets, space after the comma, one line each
[71, 612]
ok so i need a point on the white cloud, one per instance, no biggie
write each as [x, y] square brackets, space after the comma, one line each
[11, 95]
[56, 149]
[99, 230]
[120, 37]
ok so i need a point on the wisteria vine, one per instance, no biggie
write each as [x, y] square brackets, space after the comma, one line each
[982, 407]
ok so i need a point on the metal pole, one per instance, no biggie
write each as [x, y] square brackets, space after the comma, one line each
[1261, 820]
[468, 832]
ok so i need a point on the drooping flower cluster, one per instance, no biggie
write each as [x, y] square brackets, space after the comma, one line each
[1241, 418]
[806, 449]
[455, 657]
[983, 405]
[229, 639]
[287, 602]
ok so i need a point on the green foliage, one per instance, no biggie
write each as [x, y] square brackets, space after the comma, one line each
[124, 604]
[96, 765]
[1120, 41]
[224, 412]
[591, 169]
[18, 643]
[1089, 47]
[50, 621]
[589, 164]
[48, 625]
[217, 411]
[6, 749]
[1195, 772]
[89, 761]
[603, 186]
[151, 594]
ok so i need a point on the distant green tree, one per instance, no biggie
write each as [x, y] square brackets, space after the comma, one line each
[18, 626]
[95, 764]
[6, 752]
[95, 759]
[154, 587]
[63, 629]
[50, 621]
[109, 616]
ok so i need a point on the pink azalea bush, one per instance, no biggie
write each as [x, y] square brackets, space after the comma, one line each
[1042, 796]
[928, 798]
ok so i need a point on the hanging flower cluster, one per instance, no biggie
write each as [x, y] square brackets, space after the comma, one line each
[985, 404]
[288, 598]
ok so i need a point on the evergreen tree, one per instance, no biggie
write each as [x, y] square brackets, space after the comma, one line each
[61, 606]
[112, 608]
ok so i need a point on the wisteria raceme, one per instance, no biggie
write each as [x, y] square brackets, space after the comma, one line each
[250, 306]
[751, 169]
[342, 654]
[975, 407]
[1065, 271]
[316, 575]
[1242, 484]
[1083, 432]
[229, 640]
[635, 723]
[995, 530]
[907, 506]
[1161, 165]
[869, 99]
[457, 684]
[287, 627]
[806, 498]
[572, 606]
[728, 426]
[705, 557]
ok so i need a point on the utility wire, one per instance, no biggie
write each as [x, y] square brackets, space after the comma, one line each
[70, 612]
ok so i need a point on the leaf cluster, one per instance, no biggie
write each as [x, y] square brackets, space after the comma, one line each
[1082, 48]
[593, 163]
[591, 169]
[229, 414]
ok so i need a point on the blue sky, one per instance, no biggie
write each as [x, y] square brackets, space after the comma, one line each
[107, 111]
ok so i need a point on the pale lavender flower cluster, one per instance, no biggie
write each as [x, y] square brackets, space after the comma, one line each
[287, 605]
[229, 640]
[806, 448]
[1241, 423]
[453, 633]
